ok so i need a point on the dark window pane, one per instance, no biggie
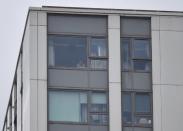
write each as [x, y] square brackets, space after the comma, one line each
[127, 108]
[141, 49]
[67, 51]
[98, 64]
[84, 109]
[142, 103]
[140, 65]
[125, 52]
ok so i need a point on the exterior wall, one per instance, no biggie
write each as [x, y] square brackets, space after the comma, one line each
[167, 32]
[26, 82]
[167, 76]
[19, 101]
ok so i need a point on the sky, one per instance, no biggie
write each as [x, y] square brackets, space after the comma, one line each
[12, 21]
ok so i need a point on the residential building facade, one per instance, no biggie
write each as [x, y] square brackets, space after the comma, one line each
[89, 69]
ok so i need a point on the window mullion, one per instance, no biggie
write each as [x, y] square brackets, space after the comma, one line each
[88, 39]
[133, 106]
[89, 106]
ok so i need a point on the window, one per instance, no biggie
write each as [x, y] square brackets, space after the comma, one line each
[98, 111]
[72, 106]
[135, 55]
[141, 49]
[125, 54]
[137, 109]
[98, 47]
[127, 108]
[67, 51]
[77, 41]
[98, 53]
[136, 73]
[141, 65]
[71, 52]
[142, 103]
[67, 106]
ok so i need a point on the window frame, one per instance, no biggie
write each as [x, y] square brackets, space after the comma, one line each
[133, 48]
[89, 93]
[88, 57]
[55, 45]
[131, 54]
[133, 110]
[90, 113]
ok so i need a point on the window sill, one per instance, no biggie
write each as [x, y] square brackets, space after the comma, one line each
[75, 68]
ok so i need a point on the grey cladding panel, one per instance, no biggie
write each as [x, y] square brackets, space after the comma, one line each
[77, 24]
[127, 129]
[138, 81]
[67, 78]
[98, 128]
[98, 79]
[142, 129]
[127, 80]
[135, 26]
[142, 81]
[64, 127]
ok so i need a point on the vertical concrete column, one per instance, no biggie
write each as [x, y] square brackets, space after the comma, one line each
[156, 74]
[38, 70]
[42, 71]
[33, 70]
[114, 73]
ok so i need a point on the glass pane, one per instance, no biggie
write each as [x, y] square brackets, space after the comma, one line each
[125, 52]
[67, 51]
[98, 102]
[144, 120]
[142, 103]
[141, 49]
[98, 119]
[67, 106]
[98, 105]
[98, 47]
[98, 64]
[127, 108]
[140, 65]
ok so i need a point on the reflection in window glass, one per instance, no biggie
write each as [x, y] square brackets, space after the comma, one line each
[67, 51]
[140, 65]
[141, 49]
[98, 64]
[99, 119]
[98, 109]
[125, 54]
[142, 103]
[67, 106]
[127, 108]
[143, 120]
[98, 47]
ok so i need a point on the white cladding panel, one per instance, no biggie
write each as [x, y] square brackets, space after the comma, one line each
[171, 57]
[172, 107]
[114, 73]
[19, 102]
